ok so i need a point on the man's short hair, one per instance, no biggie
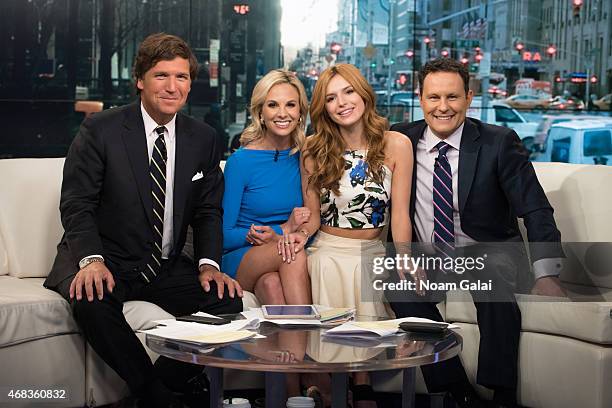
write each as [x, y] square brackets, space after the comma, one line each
[445, 65]
[162, 47]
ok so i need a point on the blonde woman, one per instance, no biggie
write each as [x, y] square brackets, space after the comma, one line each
[263, 197]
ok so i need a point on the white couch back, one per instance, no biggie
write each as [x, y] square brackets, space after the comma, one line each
[30, 226]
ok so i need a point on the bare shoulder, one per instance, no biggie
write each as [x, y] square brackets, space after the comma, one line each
[397, 143]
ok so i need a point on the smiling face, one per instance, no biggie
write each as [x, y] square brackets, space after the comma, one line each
[344, 106]
[164, 89]
[281, 110]
[444, 102]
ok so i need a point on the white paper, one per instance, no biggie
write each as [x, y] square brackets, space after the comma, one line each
[380, 328]
[185, 331]
[257, 314]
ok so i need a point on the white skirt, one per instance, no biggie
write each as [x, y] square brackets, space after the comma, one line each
[341, 274]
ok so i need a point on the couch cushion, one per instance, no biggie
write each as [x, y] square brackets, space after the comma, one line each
[29, 312]
[29, 214]
[581, 197]
[588, 321]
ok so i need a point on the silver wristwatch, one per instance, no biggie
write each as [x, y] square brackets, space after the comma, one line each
[90, 259]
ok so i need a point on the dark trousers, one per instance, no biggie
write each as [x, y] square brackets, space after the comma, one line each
[499, 322]
[176, 290]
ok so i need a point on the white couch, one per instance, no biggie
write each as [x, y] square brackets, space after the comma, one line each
[40, 343]
[565, 350]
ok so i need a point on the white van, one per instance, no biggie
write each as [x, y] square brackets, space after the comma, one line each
[580, 141]
[498, 113]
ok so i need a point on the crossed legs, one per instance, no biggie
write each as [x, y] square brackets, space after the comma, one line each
[263, 271]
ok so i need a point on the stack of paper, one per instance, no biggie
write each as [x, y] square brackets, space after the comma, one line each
[256, 314]
[335, 316]
[198, 333]
[376, 329]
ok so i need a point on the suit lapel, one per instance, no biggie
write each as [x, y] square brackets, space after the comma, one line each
[135, 142]
[182, 169]
[468, 158]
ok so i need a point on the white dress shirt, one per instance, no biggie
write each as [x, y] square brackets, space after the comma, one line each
[426, 155]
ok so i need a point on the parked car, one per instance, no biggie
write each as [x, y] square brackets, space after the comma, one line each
[526, 102]
[603, 103]
[566, 103]
[498, 113]
[541, 135]
[580, 141]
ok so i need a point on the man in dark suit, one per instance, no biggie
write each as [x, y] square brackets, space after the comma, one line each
[470, 182]
[135, 178]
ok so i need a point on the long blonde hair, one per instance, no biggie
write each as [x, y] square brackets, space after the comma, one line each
[326, 147]
[256, 130]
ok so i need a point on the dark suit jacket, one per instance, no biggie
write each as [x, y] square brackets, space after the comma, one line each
[497, 184]
[106, 204]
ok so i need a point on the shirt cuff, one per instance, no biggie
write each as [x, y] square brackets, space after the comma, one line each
[547, 267]
[206, 261]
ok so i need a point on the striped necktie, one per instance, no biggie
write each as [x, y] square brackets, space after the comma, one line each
[157, 170]
[444, 226]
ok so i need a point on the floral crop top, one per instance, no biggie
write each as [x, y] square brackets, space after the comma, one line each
[362, 203]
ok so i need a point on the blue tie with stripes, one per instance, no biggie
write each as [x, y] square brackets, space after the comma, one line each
[444, 226]
[157, 170]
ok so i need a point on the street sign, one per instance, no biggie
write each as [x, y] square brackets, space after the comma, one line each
[485, 65]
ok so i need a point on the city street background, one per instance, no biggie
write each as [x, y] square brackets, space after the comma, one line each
[535, 65]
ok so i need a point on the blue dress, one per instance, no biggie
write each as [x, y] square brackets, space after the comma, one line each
[262, 187]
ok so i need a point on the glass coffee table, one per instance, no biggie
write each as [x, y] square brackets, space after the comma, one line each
[304, 350]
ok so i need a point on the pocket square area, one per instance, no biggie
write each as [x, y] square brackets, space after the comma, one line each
[197, 176]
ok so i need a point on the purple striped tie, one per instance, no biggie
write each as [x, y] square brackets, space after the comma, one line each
[444, 226]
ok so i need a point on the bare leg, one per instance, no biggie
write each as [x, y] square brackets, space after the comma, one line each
[263, 259]
[295, 280]
[268, 289]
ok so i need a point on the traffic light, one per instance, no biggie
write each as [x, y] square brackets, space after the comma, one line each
[403, 78]
[594, 79]
[464, 60]
[335, 48]
[409, 53]
[577, 5]
[551, 50]
[241, 9]
[373, 65]
[519, 46]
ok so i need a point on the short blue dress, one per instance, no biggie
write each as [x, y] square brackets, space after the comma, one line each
[262, 187]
